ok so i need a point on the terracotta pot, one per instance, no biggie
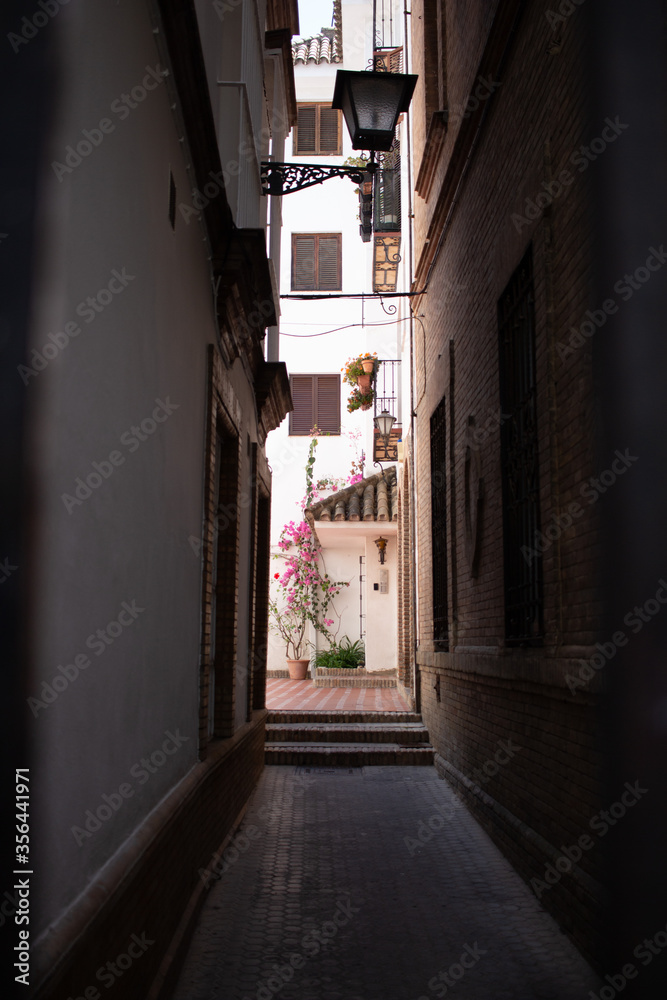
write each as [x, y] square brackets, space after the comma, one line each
[365, 406]
[298, 669]
[364, 382]
[368, 365]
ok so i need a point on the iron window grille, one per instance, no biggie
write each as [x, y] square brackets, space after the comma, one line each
[520, 460]
[439, 524]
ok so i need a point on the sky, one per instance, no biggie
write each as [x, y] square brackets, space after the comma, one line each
[314, 15]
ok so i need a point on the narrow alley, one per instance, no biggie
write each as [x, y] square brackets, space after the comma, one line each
[372, 883]
[333, 545]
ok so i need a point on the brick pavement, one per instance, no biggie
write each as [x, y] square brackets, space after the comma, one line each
[327, 900]
[284, 693]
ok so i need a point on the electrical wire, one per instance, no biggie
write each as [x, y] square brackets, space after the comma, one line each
[348, 326]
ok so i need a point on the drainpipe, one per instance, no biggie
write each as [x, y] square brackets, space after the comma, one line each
[416, 680]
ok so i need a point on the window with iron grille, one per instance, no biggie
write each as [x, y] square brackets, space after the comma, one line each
[439, 523]
[318, 131]
[519, 459]
[316, 401]
[316, 262]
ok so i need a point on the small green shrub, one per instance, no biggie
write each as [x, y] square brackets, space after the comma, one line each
[341, 655]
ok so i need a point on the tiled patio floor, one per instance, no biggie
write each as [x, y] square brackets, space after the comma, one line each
[287, 694]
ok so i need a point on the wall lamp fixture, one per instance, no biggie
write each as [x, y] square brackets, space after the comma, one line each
[371, 103]
[382, 545]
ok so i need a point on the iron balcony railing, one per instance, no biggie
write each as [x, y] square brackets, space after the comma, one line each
[387, 381]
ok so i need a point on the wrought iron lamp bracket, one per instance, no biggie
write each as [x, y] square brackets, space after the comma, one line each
[284, 178]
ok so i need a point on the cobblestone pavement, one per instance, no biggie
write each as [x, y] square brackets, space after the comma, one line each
[284, 693]
[333, 896]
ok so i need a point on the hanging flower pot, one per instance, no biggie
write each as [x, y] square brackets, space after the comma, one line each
[364, 382]
[359, 400]
[368, 364]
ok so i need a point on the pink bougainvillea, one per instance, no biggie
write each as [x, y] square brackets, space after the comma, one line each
[305, 587]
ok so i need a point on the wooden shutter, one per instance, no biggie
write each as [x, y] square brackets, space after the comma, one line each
[329, 131]
[316, 401]
[305, 140]
[318, 131]
[328, 259]
[304, 262]
[328, 403]
[316, 262]
[301, 417]
[391, 60]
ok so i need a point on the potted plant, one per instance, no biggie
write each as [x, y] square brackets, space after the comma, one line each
[359, 400]
[360, 372]
[290, 625]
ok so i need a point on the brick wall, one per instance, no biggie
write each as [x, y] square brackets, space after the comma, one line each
[472, 230]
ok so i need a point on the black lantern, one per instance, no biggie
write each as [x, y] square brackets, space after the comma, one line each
[371, 103]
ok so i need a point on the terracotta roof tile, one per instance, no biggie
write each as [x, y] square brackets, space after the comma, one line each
[372, 499]
[327, 47]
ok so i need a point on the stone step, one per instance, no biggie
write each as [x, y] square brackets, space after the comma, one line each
[358, 732]
[291, 716]
[348, 754]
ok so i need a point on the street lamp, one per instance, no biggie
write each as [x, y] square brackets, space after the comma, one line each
[383, 424]
[371, 103]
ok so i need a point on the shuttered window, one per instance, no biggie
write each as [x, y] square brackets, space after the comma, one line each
[318, 131]
[316, 262]
[316, 401]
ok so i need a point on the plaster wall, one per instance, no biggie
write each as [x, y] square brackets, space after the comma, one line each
[138, 362]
